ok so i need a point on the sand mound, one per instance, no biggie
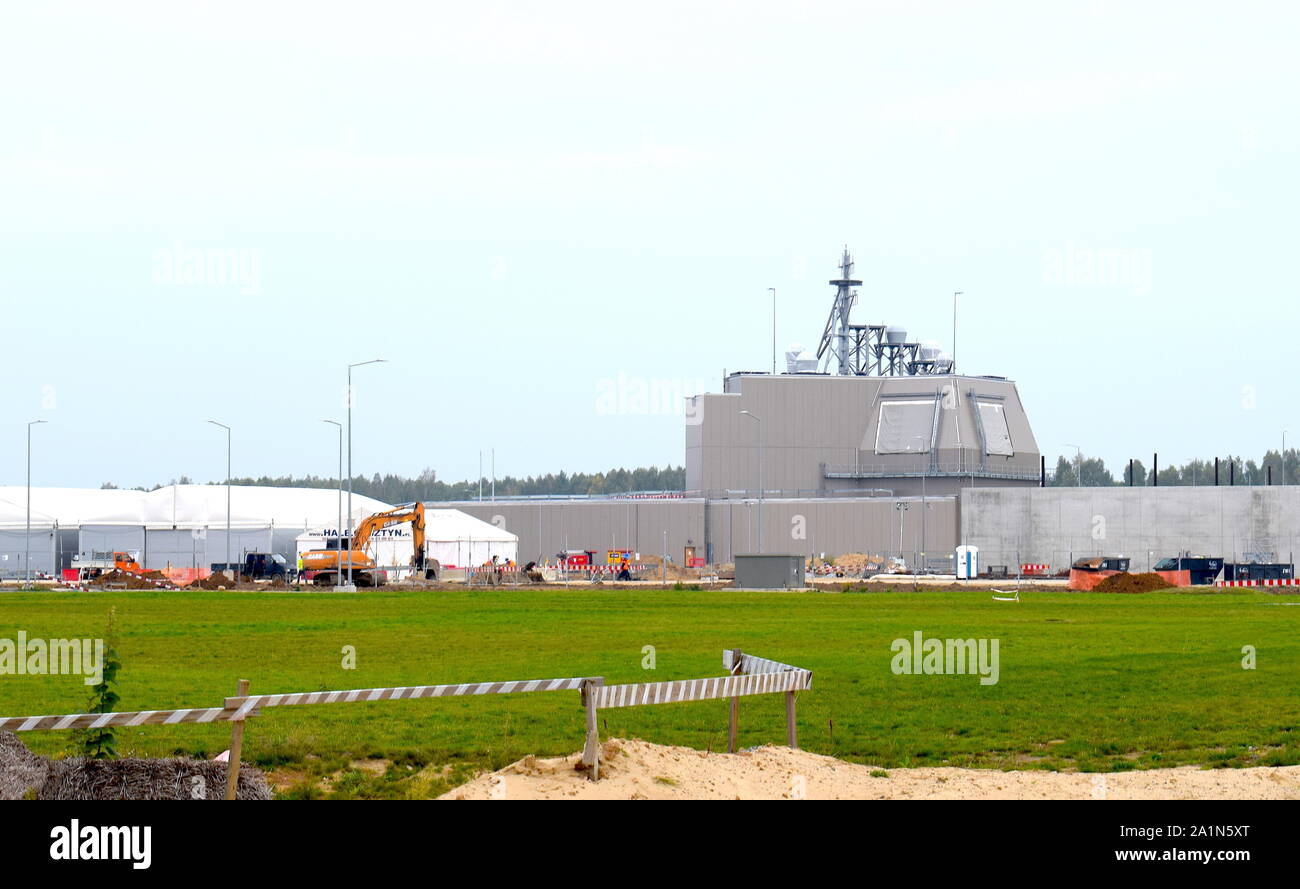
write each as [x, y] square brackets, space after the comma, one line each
[635, 769]
[1132, 583]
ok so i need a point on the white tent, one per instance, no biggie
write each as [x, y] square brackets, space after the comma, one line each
[456, 539]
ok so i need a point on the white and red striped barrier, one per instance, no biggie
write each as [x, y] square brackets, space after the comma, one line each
[1287, 581]
[1033, 568]
[598, 569]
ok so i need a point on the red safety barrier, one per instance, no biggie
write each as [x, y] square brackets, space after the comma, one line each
[1290, 581]
[1082, 581]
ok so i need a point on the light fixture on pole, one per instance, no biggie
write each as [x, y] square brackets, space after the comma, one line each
[27, 555]
[759, 421]
[228, 566]
[351, 587]
[340, 526]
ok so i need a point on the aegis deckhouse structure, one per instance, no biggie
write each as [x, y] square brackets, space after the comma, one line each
[889, 417]
[862, 447]
[818, 435]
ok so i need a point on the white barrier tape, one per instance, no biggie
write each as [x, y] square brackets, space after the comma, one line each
[102, 720]
[407, 692]
[751, 664]
[701, 689]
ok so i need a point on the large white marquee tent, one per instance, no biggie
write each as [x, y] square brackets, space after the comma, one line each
[456, 539]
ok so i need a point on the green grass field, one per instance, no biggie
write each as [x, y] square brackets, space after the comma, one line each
[1087, 681]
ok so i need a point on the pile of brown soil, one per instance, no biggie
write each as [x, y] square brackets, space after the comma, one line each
[212, 582]
[1148, 582]
[24, 775]
[654, 570]
[123, 578]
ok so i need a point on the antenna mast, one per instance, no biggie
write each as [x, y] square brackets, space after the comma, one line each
[836, 337]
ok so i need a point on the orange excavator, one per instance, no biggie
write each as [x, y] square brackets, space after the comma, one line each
[330, 566]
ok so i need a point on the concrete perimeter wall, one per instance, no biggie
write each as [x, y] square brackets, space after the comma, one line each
[726, 527]
[1054, 525]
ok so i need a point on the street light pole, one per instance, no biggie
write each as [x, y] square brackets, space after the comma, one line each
[340, 525]
[759, 421]
[1078, 473]
[227, 428]
[954, 330]
[901, 507]
[350, 584]
[27, 555]
[773, 289]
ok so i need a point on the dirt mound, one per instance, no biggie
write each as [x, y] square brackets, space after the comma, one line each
[634, 769]
[654, 570]
[24, 775]
[212, 582]
[856, 561]
[1148, 582]
[129, 580]
[173, 778]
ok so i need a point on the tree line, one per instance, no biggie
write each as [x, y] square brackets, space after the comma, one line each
[427, 485]
[1092, 472]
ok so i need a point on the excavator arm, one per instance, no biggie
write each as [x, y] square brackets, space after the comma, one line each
[333, 560]
[400, 515]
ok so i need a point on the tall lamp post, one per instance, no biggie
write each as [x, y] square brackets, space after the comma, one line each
[27, 555]
[227, 428]
[773, 289]
[902, 507]
[350, 584]
[340, 525]
[759, 421]
[1078, 462]
[954, 329]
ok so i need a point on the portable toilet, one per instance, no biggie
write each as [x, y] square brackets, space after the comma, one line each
[967, 562]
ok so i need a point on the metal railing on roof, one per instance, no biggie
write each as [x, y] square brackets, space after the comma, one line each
[916, 468]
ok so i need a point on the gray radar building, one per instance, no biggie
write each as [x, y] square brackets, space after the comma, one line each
[864, 446]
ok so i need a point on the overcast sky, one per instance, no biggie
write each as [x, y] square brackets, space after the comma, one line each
[537, 211]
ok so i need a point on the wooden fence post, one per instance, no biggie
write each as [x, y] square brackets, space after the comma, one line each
[591, 750]
[791, 733]
[236, 746]
[737, 659]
